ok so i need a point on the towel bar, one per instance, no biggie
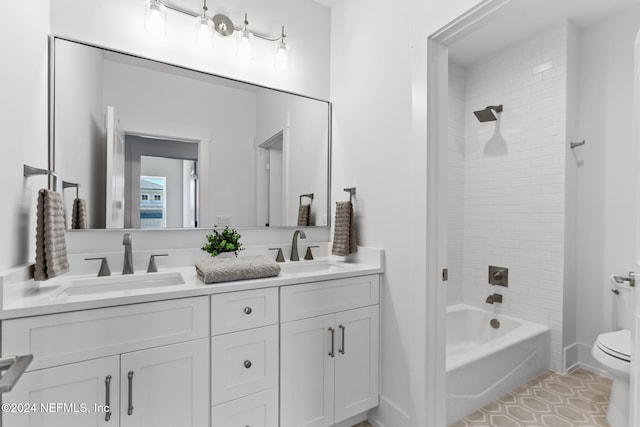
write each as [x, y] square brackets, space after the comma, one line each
[310, 195]
[351, 191]
[66, 185]
[31, 171]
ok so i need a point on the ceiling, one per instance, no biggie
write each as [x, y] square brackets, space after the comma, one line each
[520, 19]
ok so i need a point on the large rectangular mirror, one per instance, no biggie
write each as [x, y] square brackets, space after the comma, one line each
[153, 145]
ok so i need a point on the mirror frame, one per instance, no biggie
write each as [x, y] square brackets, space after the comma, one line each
[52, 116]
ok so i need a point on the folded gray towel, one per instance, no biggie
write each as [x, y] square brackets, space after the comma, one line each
[51, 247]
[229, 269]
[304, 212]
[79, 214]
[344, 235]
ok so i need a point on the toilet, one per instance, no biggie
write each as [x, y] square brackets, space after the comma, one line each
[613, 349]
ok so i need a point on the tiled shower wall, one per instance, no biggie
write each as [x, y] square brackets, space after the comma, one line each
[514, 181]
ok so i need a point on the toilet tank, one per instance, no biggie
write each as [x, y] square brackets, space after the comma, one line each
[624, 304]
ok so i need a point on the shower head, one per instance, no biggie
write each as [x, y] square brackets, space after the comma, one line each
[489, 114]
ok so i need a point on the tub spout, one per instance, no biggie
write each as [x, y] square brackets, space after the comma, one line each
[494, 298]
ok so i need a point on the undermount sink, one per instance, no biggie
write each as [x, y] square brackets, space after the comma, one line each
[98, 285]
[310, 267]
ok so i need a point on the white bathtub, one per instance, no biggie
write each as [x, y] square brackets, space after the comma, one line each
[484, 363]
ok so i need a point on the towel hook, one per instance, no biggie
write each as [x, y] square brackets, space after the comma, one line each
[66, 185]
[577, 144]
[351, 191]
[310, 195]
[31, 171]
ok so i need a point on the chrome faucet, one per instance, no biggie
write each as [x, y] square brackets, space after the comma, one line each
[494, 298]
[294, 245]
[127, 267]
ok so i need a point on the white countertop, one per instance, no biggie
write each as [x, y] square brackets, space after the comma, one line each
[29, 298]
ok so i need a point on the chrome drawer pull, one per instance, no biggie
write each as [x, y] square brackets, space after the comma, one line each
[343, 332]
[130, 408]
[107, 383]
[248, 310]
[332, 353]
[247, 364]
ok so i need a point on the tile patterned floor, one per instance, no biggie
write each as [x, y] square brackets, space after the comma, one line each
[551, 400]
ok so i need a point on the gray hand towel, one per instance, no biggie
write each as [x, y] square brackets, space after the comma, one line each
[344, 235]
[51, 247]
[79, 214]
[229, 269]
[304, 212]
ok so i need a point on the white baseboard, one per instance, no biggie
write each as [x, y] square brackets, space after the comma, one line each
[570, 358]
[586, 360]
[388, 414]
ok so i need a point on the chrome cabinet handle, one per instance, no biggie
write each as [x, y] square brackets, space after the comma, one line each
[332, 353]
[343, 332]
[247, 364]
[14, 367]
[130, 408]
[248, 310]
[107, 383]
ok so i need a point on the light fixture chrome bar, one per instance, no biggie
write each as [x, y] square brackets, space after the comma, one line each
[235, 28]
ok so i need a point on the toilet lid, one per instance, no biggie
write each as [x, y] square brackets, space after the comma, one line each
[617, 344]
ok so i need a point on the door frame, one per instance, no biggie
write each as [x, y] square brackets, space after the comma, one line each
[437, 145]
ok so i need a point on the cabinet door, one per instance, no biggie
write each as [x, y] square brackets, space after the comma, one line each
[356, 365]
[72, 395]
[166, 386]
[306, 385]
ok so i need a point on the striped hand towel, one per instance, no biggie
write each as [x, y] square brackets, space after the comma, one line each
[344, 236]
[51, 247]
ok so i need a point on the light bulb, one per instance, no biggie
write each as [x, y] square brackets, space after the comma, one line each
[155, 18]
[282, 56]
[245, 39]
[204, 31]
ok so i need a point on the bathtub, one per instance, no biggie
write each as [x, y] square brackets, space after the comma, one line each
[484, 363]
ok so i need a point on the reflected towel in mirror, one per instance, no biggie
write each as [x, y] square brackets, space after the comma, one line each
[304, 213]
[79, 214]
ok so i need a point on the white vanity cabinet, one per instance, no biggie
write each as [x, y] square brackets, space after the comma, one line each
[244, 358]
[329, 350]
[149, 362]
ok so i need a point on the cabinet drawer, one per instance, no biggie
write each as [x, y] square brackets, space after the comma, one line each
[331, 296]
[57, 339]
[243, 363]
[237, 311]
[256, 410]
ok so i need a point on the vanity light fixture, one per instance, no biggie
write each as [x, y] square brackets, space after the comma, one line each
[282, 53]
[155, 23]
[155, 18]
[204, 27]
[245, 43]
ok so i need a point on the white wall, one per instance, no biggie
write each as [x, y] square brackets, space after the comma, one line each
[514, 194]
[119, 24]
[455, 183]
[378, 89]
[23, 124]
[307, 124]
[606, 192]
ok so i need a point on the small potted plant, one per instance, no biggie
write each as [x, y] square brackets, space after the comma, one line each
[226, 242]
